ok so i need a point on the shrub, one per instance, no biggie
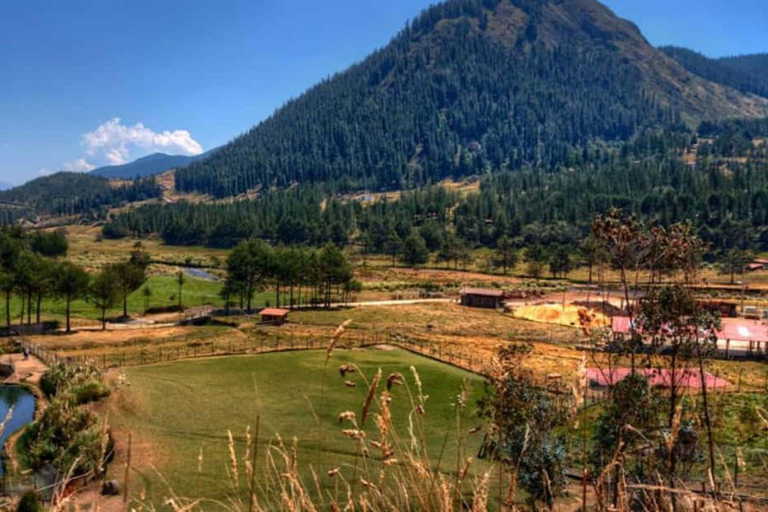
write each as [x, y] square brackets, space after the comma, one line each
[29, 503]
[53, 378]
[89, 391]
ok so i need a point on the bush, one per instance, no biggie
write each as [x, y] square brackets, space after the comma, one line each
[114, 231]
[52, 379]
[89, 391]
[51, 325]
[29, 503]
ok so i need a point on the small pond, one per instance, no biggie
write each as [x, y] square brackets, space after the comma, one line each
[200, 274]
[23, 403]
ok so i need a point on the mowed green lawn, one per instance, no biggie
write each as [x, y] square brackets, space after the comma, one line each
[173, 410]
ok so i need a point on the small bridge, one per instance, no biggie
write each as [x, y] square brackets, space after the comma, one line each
[198, 315]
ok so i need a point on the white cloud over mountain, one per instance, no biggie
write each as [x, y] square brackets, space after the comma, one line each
[116, 143]
[79, 165]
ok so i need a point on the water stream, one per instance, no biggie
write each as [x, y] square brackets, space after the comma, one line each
[23, 403]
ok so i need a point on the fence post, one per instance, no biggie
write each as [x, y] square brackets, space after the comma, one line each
[127, 471]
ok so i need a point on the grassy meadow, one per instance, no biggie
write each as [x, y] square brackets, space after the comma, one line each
[175, 410]
[165, 292]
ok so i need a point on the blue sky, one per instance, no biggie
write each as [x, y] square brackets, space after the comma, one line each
[88, 83]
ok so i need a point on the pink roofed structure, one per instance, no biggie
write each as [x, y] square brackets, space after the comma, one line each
[732, 329]
[663, 378]
[743, 331]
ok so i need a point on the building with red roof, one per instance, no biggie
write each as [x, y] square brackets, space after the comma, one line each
[657, 377]
[274, 316]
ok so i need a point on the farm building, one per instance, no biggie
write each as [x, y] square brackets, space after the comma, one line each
[742, 338]
[482, 298]
[735, 338]
[657, 377]
[274, 316]
[758, 264]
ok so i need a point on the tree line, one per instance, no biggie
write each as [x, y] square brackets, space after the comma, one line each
[725, 195]
[66, 193]
[299, 275]
[33, 268]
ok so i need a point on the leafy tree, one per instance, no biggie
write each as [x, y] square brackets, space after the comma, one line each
[534, 258]
[522, 423]
[51, 244]
[248, 268]
[734, 261]
[432, 234]
[104, 291]
[631, 409]
[394, 244]
[180, 282]
[591, 253]
[560, 262]
[130, 277]
[334, 268]
[139, 257]
[414, 251]
[147, 293]
[71, 284]
[506, 255]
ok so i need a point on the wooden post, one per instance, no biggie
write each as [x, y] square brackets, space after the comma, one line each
[127, 471]
[253, 466]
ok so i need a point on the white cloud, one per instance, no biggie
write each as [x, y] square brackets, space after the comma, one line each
[116, 143]
[44, 172]
[79, 165]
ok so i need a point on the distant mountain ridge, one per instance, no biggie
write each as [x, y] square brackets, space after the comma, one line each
[155, 163]
[472, 86]
[67, 193]
[747, 73]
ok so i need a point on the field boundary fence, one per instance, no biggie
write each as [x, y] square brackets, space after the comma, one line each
[174, 350]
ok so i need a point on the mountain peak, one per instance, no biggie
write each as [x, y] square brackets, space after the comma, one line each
[154, 163]
[467, 87]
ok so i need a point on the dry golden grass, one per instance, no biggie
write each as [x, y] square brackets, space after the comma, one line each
[559, 314]
[86, 249]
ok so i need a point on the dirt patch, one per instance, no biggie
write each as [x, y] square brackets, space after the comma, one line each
[84, 339]
[559, 314]
[27, 370]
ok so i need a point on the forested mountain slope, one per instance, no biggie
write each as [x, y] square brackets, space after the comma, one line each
[468, 87]
[754, 65]
[722, 189]
[67, 193]
[748, 74]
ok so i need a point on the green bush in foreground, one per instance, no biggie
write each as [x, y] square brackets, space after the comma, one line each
[29, 503]
[66, 435]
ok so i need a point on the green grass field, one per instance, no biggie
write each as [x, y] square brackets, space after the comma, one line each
[164, 289]
[175, 410]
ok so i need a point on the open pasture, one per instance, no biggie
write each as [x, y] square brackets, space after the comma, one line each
[177, 411]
